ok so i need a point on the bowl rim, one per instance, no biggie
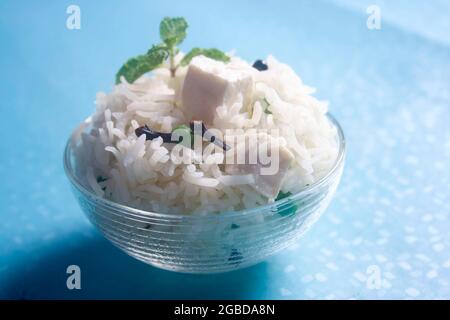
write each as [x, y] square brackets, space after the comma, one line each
[226, 214]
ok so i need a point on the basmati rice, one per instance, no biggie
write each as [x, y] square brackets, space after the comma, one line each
[155, 176]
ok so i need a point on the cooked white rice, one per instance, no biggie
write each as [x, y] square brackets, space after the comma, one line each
[118, 165]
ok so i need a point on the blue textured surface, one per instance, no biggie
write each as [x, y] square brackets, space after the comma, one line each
[389, 88]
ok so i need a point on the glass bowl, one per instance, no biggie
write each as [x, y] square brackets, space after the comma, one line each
[212, 243]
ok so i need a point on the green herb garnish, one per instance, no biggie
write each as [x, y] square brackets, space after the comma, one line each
[209, 53]
[137, 66]
[283, 210]
[172, 32]
[282, 195]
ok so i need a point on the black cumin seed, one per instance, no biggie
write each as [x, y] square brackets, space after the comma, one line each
[260, 65]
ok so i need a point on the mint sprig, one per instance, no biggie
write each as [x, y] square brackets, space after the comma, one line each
[137, 66]
[172, 32]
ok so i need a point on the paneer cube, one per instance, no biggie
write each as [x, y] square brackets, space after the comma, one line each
[268, 176]
[270, 185]
[209, 84]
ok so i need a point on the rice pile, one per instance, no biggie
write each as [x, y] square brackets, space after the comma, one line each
[118, 165]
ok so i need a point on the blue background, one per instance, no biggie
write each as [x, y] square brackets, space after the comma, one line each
[389, 88]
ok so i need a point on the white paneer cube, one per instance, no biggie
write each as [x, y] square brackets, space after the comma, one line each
[270, 185]
[210, 83]
[268, 176]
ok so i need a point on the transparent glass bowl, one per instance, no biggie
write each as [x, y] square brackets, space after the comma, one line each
[206, 244]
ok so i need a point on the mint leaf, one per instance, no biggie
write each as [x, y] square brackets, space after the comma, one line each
[286, 210]
[133, 69]
[158, 50]
[137, 66]
[282, 195]
[212, 53]
[173, 31]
